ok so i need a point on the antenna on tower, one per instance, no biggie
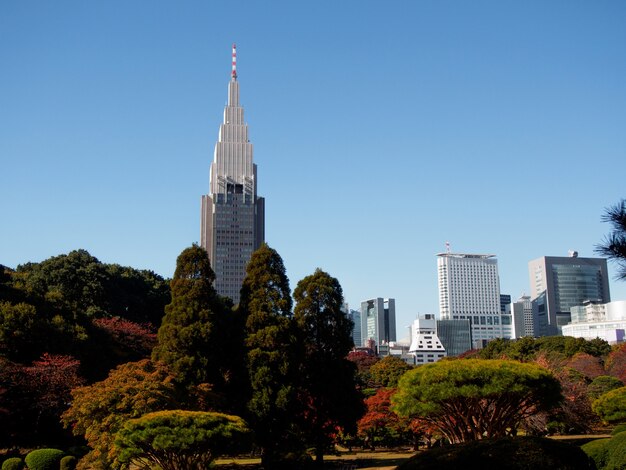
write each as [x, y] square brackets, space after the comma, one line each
[234, 72]
[448, 247]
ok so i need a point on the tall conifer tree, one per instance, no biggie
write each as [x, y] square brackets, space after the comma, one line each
[190, 339]
[265, 305]
[328, 380]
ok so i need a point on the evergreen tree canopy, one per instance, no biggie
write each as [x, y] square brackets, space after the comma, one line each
[476, 398]
[614, 244]
[328, 379]
[189, 340]
[270, 352]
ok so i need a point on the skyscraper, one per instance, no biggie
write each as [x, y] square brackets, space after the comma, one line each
[558, 283]
[469, 289]
[232, 216]
[378, 321]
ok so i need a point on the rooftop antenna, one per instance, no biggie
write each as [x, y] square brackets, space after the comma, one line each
[234, 72]
[448, 247]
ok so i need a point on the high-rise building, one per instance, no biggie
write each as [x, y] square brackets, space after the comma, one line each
[455, 335]
[525, 317]
[469, 289]
[558, 283]
[232, 215]
[378, 321]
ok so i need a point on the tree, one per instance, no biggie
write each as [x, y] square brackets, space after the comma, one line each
[586, 364]
[265, 304]
[98, 411]
[327, 379]
[190, 340]
[475, 399]
[380, 425]
[20, 331]
[364, 360]
[388, 371]
[179, 440]
[602, 384]
[614, 244]
[616, 362]
[611, 406]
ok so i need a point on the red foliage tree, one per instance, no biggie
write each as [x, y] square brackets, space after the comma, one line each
[616, 363]
[380, 425]
[588, 365]
[137, 339]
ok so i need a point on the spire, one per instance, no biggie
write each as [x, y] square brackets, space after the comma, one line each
[234, 72]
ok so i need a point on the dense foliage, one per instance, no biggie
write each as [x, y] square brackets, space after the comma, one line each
[179, 440]
[192, 339]
[271, 360]
[475, 399]
[508, 453]
[611, 406]
[608, 454]
[44, 459]
[327, 379]
[99, 411]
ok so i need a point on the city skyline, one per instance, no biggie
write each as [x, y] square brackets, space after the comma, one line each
[381, 133]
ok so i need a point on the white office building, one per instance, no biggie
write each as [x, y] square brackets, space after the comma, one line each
[597, 320]
[425, 344]
[469, 289]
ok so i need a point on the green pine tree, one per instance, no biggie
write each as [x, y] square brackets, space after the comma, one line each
[327, 389]
[270, 346]
[191, 339]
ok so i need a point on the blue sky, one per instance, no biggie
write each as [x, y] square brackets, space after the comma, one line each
[381, 131]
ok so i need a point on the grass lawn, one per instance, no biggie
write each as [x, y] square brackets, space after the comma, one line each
[370, 460]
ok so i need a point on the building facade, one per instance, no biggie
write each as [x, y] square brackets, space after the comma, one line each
[595, 320]
[378, 321]
[558, 283]
[232, 215]
[455, 335]
[469, 289]
[425, 344]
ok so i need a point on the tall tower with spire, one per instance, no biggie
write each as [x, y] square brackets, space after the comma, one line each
[232, 215]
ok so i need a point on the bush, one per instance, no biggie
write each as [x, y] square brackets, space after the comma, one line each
[507, 453]
[68, 462]
[616, 452]
[619, 428]
[598, 451]
[14, 463]
[44, 459]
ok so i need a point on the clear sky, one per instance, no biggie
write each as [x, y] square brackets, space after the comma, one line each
[381, 131]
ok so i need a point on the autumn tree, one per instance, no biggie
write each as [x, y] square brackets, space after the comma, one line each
[616, 362]
[327, 379]
[475, 399]
[98, 411]
[270, 347]
[364, 360]
[191, 337]
[179, 440]
[380, 425]
[388, 371]
[614, 244]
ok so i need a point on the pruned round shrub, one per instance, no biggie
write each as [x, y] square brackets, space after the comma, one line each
[14, 463]
[616, 452]
[68, 462]
[44, 459]
[619, 428]
[598, 451]
[507, 453]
